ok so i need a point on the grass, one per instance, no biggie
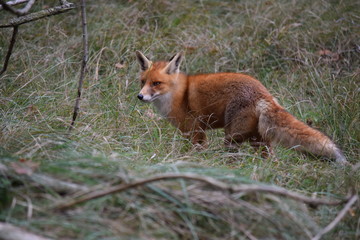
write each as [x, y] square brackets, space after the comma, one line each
[117, 137]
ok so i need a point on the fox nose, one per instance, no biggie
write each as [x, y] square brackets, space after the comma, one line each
[140, 96]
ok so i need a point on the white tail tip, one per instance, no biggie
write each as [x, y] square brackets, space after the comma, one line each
[340, 158]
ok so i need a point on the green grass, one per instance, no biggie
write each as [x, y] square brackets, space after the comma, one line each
[117, 137]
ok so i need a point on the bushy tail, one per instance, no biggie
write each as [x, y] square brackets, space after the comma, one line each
[278, 126]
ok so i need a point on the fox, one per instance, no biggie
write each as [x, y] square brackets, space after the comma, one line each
[236, 102]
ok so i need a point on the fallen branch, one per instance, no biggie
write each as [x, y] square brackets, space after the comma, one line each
[244, 188]
[10, 232]
[338, 218]
[83, 64]
[46, 181]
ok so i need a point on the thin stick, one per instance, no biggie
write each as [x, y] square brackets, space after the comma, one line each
[245, 188]
[338, 218]
[83, 65]
[38, 15]
[11, 46]
[15, 22]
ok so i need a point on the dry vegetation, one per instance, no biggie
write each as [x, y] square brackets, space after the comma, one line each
[306, 52]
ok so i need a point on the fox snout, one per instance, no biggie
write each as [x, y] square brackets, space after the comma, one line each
[140, 96]
[146, 97]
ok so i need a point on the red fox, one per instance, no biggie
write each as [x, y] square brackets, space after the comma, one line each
[236, 102]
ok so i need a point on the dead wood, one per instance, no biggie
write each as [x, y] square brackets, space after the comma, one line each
[83, 64]
[243, 188]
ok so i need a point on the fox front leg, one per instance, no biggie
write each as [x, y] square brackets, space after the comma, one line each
[197, 138]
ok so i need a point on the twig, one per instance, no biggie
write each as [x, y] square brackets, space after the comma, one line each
[11, 46]
[83, 65]
[10, 232]
[244, 188]
[338, 218]
[38, 15]
[15, 22]
[18, 12]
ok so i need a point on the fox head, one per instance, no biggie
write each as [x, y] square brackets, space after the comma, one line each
[157, 78]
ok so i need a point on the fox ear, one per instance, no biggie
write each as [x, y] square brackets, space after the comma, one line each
[143, 61]
[174, 63]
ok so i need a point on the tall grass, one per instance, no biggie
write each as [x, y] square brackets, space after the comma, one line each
[116, 137]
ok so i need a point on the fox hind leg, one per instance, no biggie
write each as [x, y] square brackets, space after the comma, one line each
[238, 130]
[244, 127]
[259, 144]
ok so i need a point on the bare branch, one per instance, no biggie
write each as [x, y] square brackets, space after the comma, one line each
[244, 188]
[10, 232]
[83, 65]
[38, 15]
[15, 22]
[338, 218]
[18, 12]
[11, 46]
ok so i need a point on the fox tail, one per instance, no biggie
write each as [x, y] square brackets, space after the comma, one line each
[277, 126]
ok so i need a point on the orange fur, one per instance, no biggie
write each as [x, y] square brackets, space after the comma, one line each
[236, 102]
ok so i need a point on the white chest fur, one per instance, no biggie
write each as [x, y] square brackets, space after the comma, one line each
[163, 104]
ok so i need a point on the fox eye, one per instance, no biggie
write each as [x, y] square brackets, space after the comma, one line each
[142, 82]
[156, 83]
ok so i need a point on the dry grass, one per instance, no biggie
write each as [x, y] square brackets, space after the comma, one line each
[117, 138]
